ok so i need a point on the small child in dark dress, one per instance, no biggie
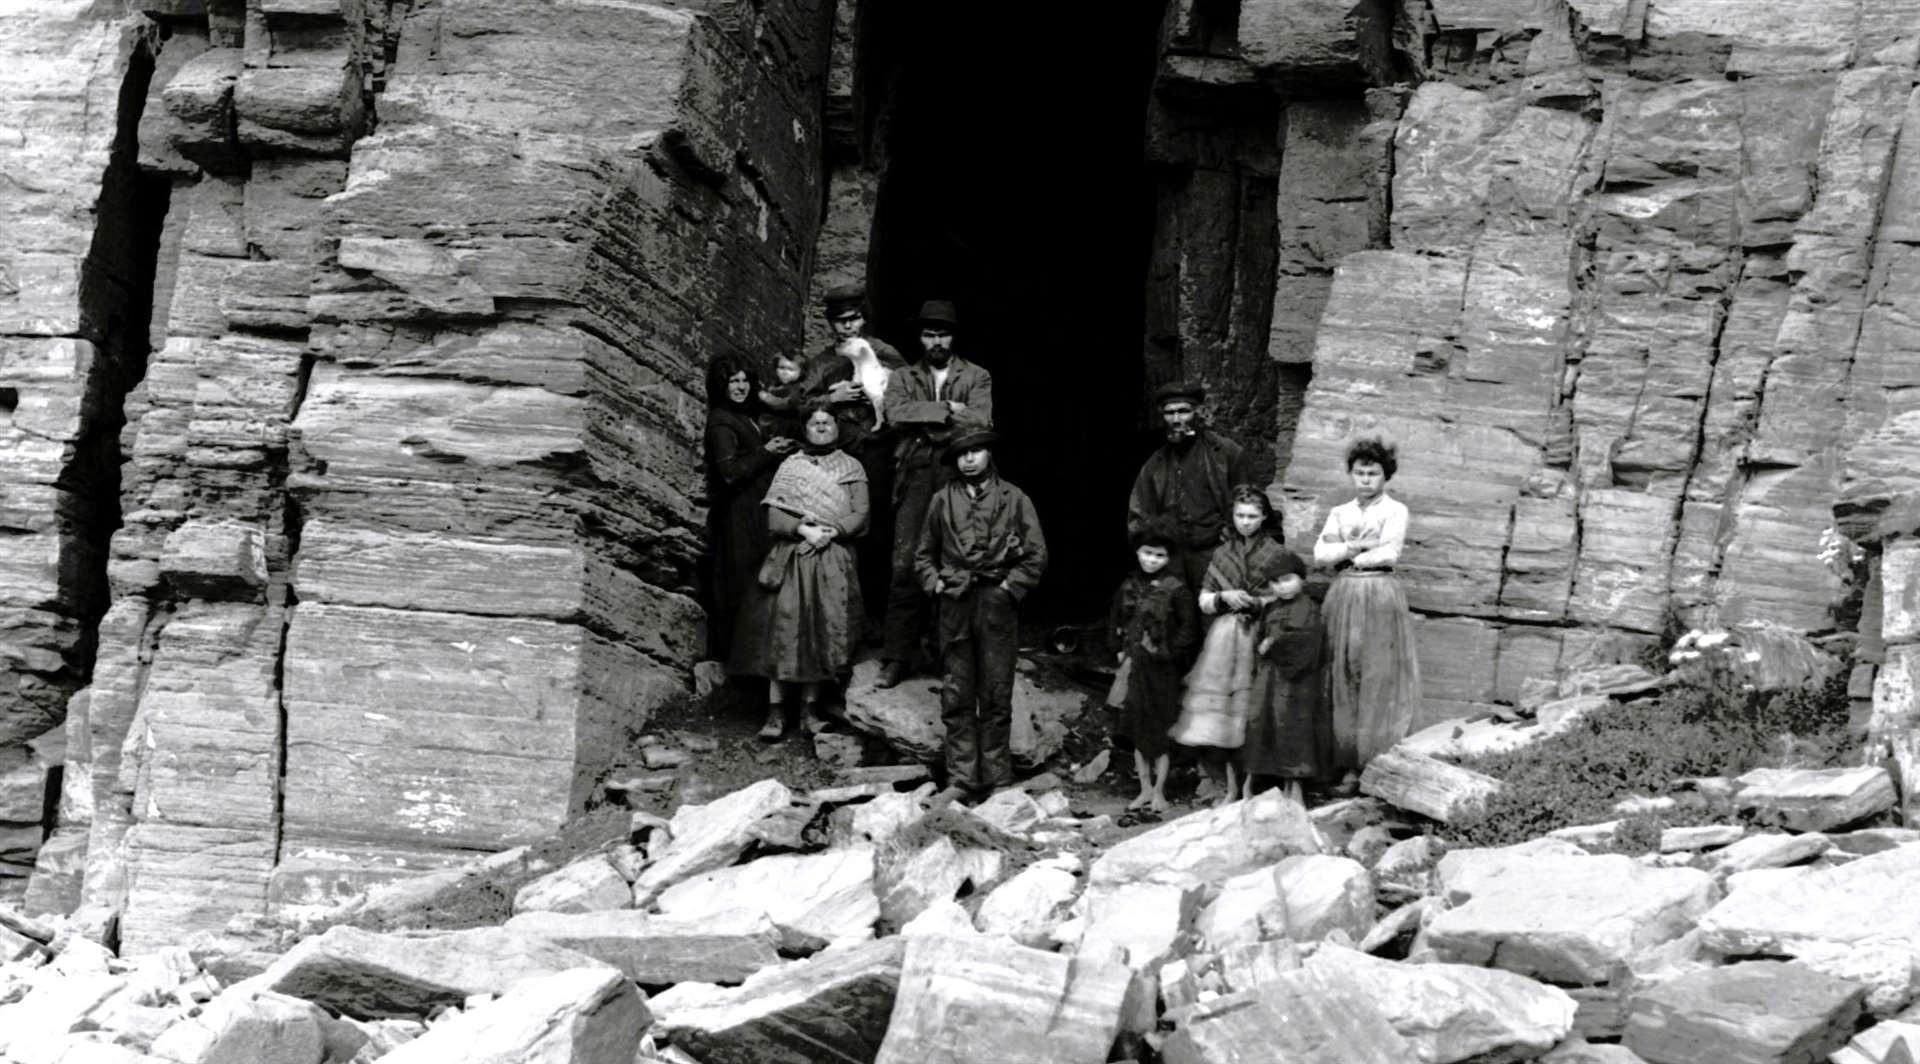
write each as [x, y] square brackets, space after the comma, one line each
[1155, 624]
[784, 400]
[1289, 736]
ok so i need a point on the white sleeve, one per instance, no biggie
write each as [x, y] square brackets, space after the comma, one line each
[1330, 548]
[1393, 534]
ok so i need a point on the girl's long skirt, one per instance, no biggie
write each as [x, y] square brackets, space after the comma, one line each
[1219, 696]
[807, 629]
[1373, 671]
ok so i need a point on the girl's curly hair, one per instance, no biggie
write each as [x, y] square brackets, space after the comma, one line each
[1376, 450]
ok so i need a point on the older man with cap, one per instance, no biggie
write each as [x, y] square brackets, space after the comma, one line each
[980, 551]
[924, 403]
[1190, 479]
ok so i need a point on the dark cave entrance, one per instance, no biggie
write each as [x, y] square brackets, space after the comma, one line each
[1016, 185]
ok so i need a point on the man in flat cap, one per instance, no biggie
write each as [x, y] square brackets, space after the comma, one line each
[1189, 480]
[924, 402]
[980, 551]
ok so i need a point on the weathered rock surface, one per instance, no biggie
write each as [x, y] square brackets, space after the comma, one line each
[1317, 1016]
[367, 975]
[907, 716]
[1325, 894]
[1801, 799]
[239, 1027]
[842, 998]
[722, 947]
[1568, 920]
[587, 885]
[812, 899]
[979, 999]
[1426, 785]
[1763, 1011]
[1210, 845]
[591, 1016]
[703, 837]
[1028, 907]
[1453, 1012]
[1854, 904]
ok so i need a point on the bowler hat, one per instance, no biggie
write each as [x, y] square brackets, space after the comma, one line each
[1192, 391]
[938, 312]
[844, 300]
[969, 440]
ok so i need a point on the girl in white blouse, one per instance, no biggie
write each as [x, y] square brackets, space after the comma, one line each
[1373, 672]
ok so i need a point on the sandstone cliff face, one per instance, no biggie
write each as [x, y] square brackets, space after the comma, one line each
[1623, 281]
[350, 358]
[411, 503]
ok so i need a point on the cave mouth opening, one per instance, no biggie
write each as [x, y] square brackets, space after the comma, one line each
[1016, 185]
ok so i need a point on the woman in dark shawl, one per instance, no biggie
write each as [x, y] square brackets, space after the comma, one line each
[802, 630]
[740, 464]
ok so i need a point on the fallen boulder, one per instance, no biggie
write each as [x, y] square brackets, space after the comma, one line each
[719, 947]
[410, 973]
[1763, 1012]
[240, 1027]
[1769, 851]
[1808, 799]
[1569, 920]
[1325, 894]
[1456, 1012]
[1249, 908]
[590, 884]
[785, 1015]
[709, 836]
[907, 716]
[1028, 907]
[1426, 785]
[590, 1016]
[1309, 1016]
[812, 899]
[1209, 846]
[984, 1000]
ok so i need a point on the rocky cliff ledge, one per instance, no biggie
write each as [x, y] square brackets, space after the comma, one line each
[433, 295]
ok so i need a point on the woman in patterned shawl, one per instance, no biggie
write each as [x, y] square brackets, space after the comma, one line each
[803, 629]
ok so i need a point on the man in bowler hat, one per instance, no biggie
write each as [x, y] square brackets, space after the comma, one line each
[923, 404]
[1189, 480]
[980, 551]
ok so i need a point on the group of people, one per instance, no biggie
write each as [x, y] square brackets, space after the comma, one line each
[1277, 688]
[790, 469]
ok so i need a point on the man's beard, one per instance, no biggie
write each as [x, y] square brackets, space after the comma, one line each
[1181, 434]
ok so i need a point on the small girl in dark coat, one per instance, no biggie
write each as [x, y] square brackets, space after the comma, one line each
[1289, 736]
[1155, 624]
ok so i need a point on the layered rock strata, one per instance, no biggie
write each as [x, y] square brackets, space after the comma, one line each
[1621, 280]
[410, 517]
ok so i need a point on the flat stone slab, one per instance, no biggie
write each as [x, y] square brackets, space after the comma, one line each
[812, 899]
[974, 1000]
[1805, 799]
[582, 1017]
[1426, 785]
[1763, 1012]
[724, 947]
[1210, 846]
[1769, 851]
[1318, 1016]
[1456, 1012]
[1871, 899]
[842, 998]
[410, 973]
[1570, 920]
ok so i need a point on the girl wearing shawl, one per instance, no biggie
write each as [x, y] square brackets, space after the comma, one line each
[803, 629]
[1373, 674]
[1219, 698]
[740, 464]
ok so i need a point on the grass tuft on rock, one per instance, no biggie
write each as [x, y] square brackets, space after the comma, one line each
[1642, 748]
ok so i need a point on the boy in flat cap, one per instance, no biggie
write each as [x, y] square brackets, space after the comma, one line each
[980, 550]
[1189, 480]
[924, 404]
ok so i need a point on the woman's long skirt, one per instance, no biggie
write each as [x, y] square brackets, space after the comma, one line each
[807, 629]
[1373, 670]
[1219, 696]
